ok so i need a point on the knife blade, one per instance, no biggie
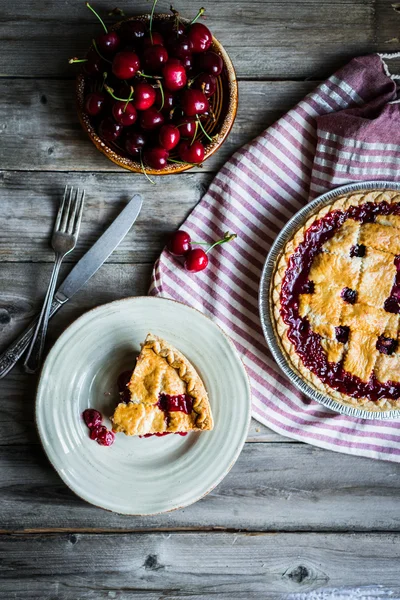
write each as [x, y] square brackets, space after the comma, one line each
[80, 274]
[100, 251]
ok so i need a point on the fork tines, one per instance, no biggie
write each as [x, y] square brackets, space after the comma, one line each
[69, 214]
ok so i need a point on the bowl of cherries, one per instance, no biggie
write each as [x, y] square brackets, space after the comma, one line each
[157, 93]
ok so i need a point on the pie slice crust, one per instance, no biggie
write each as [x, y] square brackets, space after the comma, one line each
[166, 393]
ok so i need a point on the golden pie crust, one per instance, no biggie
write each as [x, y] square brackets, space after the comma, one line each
[162, 369]
[372, 277]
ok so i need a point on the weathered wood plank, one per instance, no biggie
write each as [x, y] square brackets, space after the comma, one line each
[30, 202]
[42, 132]
[272, 487]
[387, 27]
[199, 566]
[307, 38]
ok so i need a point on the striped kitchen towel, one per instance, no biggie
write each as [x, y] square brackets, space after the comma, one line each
[347, 130]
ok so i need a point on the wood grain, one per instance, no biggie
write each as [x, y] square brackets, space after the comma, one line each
[265, 39]
[27, 220]
[272, 487]
[197, 566]
[40, 130]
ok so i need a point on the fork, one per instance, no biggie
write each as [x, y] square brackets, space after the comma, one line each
[63, 241]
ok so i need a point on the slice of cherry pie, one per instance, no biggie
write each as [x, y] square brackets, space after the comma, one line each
[165, 394]
[336, 300]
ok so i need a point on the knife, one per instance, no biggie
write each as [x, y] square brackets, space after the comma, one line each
[80, 274]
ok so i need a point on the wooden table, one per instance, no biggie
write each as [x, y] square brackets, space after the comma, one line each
[289, 518]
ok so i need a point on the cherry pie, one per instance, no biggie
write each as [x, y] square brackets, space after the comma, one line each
[336, 300]
[164, 394]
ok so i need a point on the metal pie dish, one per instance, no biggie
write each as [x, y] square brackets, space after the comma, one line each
[266, 305]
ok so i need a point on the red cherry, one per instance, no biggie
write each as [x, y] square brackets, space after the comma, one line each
[191, 152]
[109, 130]
[102, 436]
[179, 243]
[173, 29]
[154, 57]
[94, 103]
[181, 47]
[169, 136]
[96, 431]
[196, 260]
[206, 83]
[108, 43]
[144, 96]
[105, 438]
[194, 102]
[124, 113]
[92, 417]
[169, 101]
[133, 32]
[125, 65]
[187, 62]
[174, 76]
[134, 142]
[156, 157]
[156, 40]
[94, 63]
[200, 36]
[211, 63]
[151, 119]
[187, 127]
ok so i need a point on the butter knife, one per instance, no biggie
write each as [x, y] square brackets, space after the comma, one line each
[80, 274]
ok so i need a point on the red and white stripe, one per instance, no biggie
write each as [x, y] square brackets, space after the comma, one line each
[254, 194]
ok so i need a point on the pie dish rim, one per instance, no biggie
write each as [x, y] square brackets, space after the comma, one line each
[266, 304]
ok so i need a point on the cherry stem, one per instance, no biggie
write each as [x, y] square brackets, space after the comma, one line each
[191, 81]
[151, 20]
[176, 16]
[144, 170]
[98, 16]
[182, 162]
[203, 130]
[199, 14]
[129, 99]
[149, 76]
[77, 60]
[111, 92]
[104, 80]
[160, 87]
[195, 133]
[228, 237]
[98, 52]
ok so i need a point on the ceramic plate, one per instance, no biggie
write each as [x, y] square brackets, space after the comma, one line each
[139, 475]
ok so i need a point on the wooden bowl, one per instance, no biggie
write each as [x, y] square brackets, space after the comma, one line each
[224, 105]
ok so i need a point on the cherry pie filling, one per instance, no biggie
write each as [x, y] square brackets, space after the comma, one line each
[296, 281]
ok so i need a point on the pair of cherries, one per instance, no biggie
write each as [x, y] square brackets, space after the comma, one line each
[152, 88]
[195, 259]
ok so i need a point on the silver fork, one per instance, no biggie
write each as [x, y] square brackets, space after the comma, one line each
[63, 241]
